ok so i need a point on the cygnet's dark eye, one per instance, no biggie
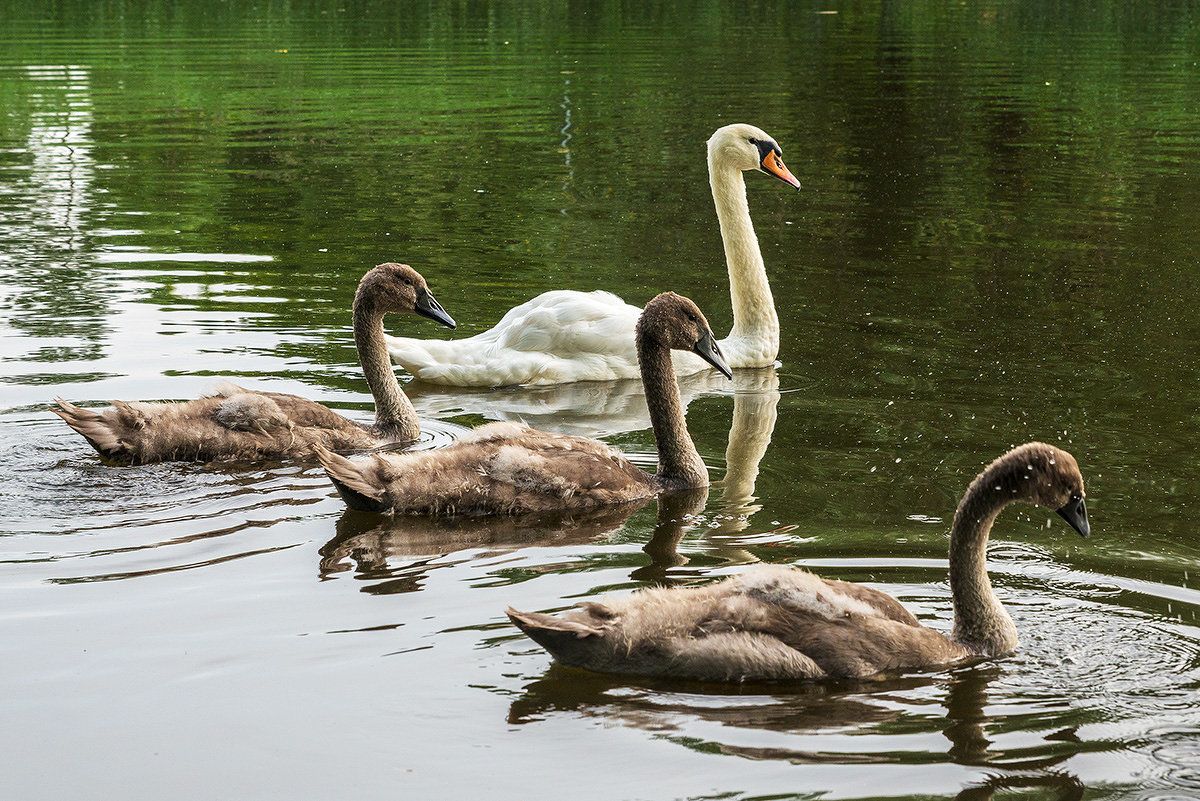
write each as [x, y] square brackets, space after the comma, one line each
[692, 317]
[408, 281]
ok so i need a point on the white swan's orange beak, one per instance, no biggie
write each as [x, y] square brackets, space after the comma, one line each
[772, 164]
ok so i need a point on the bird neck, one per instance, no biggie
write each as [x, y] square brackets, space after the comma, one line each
[755, 323]
[679, 463]
[395, 416]
[981, 623]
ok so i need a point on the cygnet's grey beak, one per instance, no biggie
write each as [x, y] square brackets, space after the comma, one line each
[426, 306]
[708, 350]
[1075, 513]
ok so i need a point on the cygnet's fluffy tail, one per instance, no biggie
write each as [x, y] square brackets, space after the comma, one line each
[536, 625]
[352, 484]
[95, 428]
[571, 642]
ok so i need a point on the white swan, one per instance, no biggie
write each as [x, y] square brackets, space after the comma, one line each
[564, 335]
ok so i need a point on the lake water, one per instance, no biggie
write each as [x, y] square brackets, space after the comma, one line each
[995, 241]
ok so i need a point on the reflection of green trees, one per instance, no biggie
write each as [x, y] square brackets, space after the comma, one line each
[1005, 188]
[374, 130]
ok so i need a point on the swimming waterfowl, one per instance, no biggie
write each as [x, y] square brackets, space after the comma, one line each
[237, 423]
[780, 623]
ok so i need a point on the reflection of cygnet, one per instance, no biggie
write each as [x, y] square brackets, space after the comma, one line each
[966, 702]
[369, 540]
[801, 710]
[676, 511]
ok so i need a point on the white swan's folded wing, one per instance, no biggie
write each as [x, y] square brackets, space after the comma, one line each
[558, 336]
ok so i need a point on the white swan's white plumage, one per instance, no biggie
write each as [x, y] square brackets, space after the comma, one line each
[564, 335]
[557, 337]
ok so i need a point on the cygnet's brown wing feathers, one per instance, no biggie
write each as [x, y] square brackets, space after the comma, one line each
[300, 412]
[501, 468]
[770, 623]
[232, 424]
[679, 633]
[92, 426]
[846, 629]
[137, 432]
[885, 605]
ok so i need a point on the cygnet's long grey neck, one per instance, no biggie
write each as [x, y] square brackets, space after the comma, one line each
[395, 416]
[981, 623]
[679, 463]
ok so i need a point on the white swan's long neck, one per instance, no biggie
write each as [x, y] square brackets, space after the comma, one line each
[679, 463]
[395, 416]
[980, 620]
[754, 340]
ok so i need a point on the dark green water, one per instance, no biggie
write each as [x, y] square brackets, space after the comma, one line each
[995, 242]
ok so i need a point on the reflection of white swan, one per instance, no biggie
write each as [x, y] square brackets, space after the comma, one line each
[755, 407]
[774, 622]
[564, 335]
[582, 408]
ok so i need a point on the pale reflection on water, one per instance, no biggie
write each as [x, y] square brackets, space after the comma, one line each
[582, 408]
[59, 179]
